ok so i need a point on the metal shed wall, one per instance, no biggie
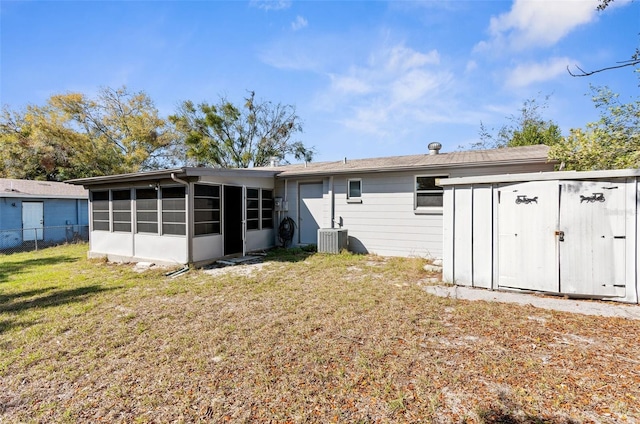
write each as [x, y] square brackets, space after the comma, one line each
[569, 233]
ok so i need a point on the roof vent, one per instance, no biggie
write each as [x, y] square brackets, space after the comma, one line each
[434, 148]
[274, 161]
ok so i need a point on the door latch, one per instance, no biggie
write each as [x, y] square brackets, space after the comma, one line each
[560, 235]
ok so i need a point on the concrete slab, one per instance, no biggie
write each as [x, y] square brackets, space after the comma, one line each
[579, 306]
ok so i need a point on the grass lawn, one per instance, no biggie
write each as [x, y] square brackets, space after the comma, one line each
[305, 338]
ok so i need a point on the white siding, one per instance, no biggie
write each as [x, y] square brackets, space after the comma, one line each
[207, 247]
[385, 222]
[171, 249]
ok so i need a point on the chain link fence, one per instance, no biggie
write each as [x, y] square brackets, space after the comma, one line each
[27, 239]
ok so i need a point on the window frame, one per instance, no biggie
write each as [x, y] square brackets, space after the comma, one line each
[416, 192]
[268, 200]
[350, 198]
[253, 221]
[213, 209]
[121, 212]
[107, 211]
[138, 210]
[163, 210]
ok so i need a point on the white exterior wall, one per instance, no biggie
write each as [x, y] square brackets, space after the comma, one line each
[169, 249]
[385, 222]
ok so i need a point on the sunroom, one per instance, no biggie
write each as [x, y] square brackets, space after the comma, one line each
[180, 216]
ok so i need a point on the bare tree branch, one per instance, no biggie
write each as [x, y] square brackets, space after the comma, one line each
[623, 64]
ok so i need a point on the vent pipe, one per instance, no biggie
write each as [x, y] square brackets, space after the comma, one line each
[434, 148]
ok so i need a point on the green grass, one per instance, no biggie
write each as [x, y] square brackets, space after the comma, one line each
[306, 338]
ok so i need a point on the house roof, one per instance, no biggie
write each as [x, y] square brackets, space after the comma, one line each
[472, 158]
[40, 189]
[180, 173]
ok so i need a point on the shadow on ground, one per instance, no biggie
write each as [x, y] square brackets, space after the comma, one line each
[16, 303]
[10, 267]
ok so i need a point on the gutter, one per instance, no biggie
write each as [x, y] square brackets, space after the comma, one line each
[187, 217]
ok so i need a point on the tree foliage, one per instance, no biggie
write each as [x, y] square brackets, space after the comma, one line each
[613, 142]
[525, 129]
[225, 135]
[74, 136]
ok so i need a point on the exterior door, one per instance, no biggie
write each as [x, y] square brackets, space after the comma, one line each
[233, 220]
[310, 207]
[32, 221]
[592, 246]
[527, 222]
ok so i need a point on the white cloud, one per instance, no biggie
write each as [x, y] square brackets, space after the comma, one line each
[349, 84]
[532, 23]
[270, 4]
[395, 86]
[529, 73]
[299, 23]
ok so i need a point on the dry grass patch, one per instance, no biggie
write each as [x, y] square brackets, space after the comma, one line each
[304, 338]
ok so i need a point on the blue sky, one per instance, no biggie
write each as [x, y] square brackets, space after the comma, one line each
[368, 78]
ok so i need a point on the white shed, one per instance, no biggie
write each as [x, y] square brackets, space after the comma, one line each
[567, 233]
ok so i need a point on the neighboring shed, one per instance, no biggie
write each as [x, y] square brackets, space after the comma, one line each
[389, 206]
[40, 210]
[567, 233]
[181, 216]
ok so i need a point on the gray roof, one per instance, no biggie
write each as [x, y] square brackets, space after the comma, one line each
[187, 173]
[471, 158]
[40, 189]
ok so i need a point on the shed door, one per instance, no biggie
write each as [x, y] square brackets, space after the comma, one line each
[311, 203]
[592, 255]
[527, 221]
[32, 221]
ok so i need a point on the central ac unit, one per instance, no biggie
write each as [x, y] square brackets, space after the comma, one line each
[332, 240]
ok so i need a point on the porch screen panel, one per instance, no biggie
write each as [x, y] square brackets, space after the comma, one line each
[253, 209]
[206, 200]
[100, 210]
[121, 205]
[173, 211]
[147, 210]
[267, 209]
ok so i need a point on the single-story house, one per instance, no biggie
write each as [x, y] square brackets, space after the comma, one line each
[32, 211]
[388, 206]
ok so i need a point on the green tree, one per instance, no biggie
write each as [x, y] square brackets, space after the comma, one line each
[613, 142]
[224, 135]
[73, 136]
[525, 129]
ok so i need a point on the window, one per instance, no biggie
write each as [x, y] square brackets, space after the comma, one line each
[147, 210]
[206, 201]
[267, 209]
[173, 211]
[100, 210]
[121, 210]
[428, 194]
[354, 189]
[253, 209]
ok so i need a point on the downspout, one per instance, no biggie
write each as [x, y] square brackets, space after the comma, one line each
[187, 218]
[332, 197]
